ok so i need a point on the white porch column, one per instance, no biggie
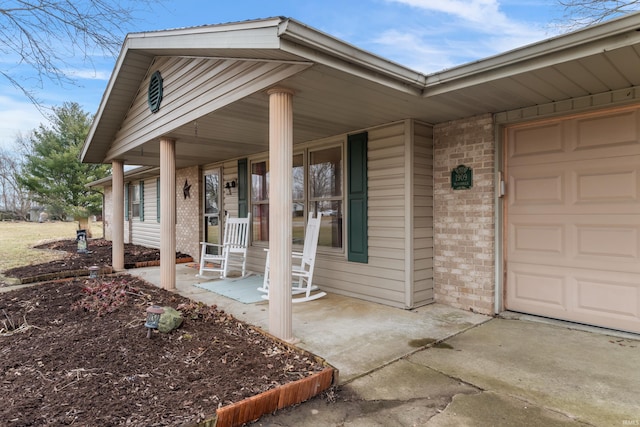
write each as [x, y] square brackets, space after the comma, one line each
[280, 204]
[117, 215]
[168, 213]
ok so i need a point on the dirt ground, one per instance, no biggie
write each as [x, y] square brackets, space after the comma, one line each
[98, 253]
[76, 352]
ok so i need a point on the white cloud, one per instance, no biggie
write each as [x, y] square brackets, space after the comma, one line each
[88, 74]
[18, 117]
[484, 15]
[454, 32]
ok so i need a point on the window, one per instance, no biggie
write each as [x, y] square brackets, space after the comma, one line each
[316, 187]
[134, 192]
[299, 216]
[260, 200]
[325, 188]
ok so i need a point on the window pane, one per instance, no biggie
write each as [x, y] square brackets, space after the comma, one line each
[260, 219]
[331, 226]
[325, 177]
[298, 178]
[259, 182]
[299, 223]
[135, 200]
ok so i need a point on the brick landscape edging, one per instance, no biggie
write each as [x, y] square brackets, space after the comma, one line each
[85, 272]
[252, 408]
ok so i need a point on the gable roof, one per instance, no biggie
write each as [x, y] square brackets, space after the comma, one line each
[340, 88]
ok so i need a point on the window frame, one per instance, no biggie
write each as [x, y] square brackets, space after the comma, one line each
[305, 150]
[135, 200]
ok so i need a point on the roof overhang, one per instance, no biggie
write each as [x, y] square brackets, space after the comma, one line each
[345, 88]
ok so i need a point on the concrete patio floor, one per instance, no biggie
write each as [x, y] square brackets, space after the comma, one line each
[482, 371]
[354, 336]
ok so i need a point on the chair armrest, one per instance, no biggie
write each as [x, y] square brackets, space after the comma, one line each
[211, 244]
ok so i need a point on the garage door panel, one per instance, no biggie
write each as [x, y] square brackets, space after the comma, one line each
[582, 138]
[608, 242]
[545, 189]
[536, 290]
[530, 142]
[620, 128]
[599, 295]
[604, 186]
[619, 183]
[539, 239]
[565, 294]
[573, 219]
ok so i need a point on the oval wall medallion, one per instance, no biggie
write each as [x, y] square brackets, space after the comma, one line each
[155, 92]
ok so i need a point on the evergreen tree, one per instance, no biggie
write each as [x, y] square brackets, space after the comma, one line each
[52, 172]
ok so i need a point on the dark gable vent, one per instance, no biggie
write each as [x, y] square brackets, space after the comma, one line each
[155, 92]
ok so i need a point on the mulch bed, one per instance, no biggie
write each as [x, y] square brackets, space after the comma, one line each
[76, 351]
[77, 264]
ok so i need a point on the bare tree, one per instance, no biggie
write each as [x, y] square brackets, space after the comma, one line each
[580, 13]
[46, 34]
[13, 199]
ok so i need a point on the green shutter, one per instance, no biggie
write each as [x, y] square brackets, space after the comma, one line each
[141, 200]
[158, 199]
[358, 245]
[126, 202]
[243, 189]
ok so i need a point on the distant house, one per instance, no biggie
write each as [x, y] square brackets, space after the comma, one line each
[510, 183]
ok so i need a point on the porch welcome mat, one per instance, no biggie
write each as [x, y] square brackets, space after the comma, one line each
[243, 289]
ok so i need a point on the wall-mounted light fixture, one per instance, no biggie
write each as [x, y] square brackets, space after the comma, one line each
[229, 185]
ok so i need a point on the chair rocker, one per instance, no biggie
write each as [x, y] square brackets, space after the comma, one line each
[231, 253]
[302, 266]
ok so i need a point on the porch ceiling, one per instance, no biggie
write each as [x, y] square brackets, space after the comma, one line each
[336, 95]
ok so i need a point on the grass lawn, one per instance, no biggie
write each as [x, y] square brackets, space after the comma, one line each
[17, 239]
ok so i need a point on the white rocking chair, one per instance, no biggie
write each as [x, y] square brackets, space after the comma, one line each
[232, 251]
[302, 267]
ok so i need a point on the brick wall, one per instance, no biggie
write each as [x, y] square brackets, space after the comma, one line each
[464, 219]
[188, 231]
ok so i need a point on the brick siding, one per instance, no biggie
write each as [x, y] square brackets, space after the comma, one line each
[464, 219]
[188, 224]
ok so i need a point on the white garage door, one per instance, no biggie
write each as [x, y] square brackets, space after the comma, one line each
[573, 219]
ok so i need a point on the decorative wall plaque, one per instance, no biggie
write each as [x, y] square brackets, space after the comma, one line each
[461, 178]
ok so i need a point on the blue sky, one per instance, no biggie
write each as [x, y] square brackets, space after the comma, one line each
[425, 35]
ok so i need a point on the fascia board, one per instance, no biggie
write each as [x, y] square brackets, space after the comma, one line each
[319, 47]
[105, 96]
[579, 44]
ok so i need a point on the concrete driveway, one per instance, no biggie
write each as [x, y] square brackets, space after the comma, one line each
[500, 373]
[439, 366]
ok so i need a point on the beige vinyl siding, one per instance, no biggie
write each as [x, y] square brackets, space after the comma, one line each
[400, 162]
[229, 201]
[147, 232]
[184, 81]
[422, 229]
